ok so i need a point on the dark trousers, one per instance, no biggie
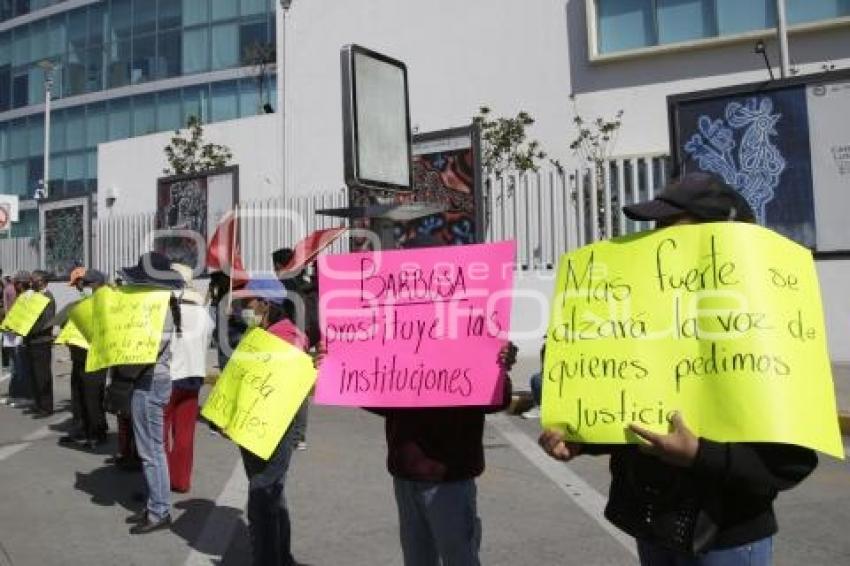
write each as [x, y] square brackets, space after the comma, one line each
[40, 357]
[78, 369]
[268, 516]
[90, 391]
[7, 356]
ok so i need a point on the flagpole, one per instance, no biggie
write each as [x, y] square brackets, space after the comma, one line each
[233, 255]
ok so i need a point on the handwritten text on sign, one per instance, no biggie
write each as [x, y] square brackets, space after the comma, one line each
[260, 390]
[417, 328]
[128, 325]
[25, 312]
[722, 322]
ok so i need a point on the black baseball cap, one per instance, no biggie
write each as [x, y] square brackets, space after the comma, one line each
[702, 195]
[94, 277]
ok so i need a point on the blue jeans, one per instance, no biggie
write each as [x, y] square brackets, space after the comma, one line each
[536, 384]
[758, 553]
[438, 522]
[268, 517]
[150, 396]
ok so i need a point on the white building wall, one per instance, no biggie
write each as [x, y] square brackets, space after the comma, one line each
[129, 168]
[510, 56]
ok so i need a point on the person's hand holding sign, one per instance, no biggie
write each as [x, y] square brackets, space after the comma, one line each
[678, 448]
[553, 443]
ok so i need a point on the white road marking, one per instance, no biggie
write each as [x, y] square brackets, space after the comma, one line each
[582, 494]
[220, 525]
[39, 434]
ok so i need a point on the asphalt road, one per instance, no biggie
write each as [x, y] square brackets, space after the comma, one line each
[66, 506]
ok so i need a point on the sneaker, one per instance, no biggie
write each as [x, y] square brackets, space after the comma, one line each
[532, 413]
[302, 445]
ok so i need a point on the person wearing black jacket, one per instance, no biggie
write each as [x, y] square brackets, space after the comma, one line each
[692, 501]
[39, 349]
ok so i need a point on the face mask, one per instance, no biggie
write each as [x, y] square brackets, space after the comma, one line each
[251, 318]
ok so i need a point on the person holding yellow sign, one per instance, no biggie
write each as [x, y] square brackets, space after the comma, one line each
[690, 501]
[38, 344]
[151, 381]
[266, 306]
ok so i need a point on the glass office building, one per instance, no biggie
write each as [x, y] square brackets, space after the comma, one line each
[121, 68]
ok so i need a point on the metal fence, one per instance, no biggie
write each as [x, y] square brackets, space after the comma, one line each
[548, 213]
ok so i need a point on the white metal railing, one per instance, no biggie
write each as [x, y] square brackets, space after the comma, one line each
[547, 212]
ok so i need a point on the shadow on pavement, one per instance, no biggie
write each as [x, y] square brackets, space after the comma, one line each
[193, 519]
[109, 486]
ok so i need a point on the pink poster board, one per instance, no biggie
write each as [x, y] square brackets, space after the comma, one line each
[417, 328]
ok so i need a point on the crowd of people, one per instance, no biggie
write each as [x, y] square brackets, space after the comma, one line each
[688, 501]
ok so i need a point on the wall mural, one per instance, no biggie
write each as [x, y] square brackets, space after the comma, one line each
[758, 144]
[65, 239]
[182, 205]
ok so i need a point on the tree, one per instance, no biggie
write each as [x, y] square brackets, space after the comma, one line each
[594, 142]
[506, 147]
[187, 154]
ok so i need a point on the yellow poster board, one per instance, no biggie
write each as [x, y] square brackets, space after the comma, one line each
[70, 335]
[260, 390]
[127, 326]
[25, 312]
[82, 315]
[722, 322]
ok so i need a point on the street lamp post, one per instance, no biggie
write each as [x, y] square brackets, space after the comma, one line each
[47, 66]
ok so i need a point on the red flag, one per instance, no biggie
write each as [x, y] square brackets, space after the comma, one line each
[223, 253]
[306, 250]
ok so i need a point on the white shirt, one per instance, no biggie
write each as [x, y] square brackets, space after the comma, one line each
[189, 350]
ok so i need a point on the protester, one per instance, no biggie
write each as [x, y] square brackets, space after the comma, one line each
[434, 456]
[307, 319]
[78, 367]
[5, 306]
[188, 369]
[723, 490]
[39, 350]
[266, 306]
[16, 396]
[151, 393]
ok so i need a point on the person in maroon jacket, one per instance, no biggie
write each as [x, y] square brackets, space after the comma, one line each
[434, 456]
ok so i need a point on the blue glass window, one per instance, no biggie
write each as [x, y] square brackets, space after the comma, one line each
[36, 84]
[168, 113]
[225, 46]
[170, 14]
[734, 16]
[224, 9]
[196, 102]
[97, 23]
[20, 87]
[170, 54]
[75, 128]
[144, 59]
[120, 19]
[196, 50]
[144, 114]
[803, 11]
[144, 16]
[57, 34]
[685, 20]
[225, 101]
[252, 7]
[57, 131]
[75, 174]
[97, 130]
[625, 24]
[18, 178]
[253, 35]
[195, 12]
[21, 46]
[5, 49]
[38, 41]
[249, 97]
[18, 136]
[118, 71]
[94, 69]
[119, 119]
[35, 129]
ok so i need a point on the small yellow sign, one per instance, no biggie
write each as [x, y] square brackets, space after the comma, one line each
[82, 315]
[722, 322]
[260, 390]
[25, 312]
[127, 326]
[70, 335]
